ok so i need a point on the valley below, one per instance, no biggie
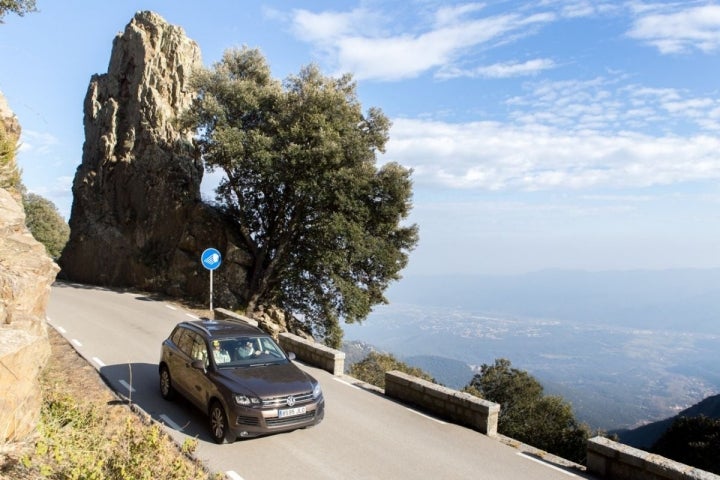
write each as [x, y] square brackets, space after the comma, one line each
[617, 374]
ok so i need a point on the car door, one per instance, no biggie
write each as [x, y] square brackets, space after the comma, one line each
[179, 360]
[198, 382]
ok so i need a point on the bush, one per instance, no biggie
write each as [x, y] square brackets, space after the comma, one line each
[9, 172]
[373, 367]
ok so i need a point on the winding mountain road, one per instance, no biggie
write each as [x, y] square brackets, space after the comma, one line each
[364, 435]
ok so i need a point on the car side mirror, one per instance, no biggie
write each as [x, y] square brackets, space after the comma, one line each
[199, 364]
[291, 355]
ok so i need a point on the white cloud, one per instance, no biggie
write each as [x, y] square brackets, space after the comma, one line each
[496, 156]
[503, 70]
[680, 31]
[355, 41]
[39, 143]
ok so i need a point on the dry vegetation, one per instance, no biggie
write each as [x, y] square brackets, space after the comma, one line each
[86, 432]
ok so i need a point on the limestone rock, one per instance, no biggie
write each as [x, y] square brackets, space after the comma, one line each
[137, 217]
[26, 274]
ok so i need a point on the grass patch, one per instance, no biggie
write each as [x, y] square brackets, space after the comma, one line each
[84, 433]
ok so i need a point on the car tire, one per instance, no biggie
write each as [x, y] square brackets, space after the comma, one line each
[166, 388]
[219, 427]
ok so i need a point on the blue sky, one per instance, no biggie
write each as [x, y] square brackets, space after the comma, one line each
[542, 134]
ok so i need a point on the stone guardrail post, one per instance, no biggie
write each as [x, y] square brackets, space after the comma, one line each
[223, 314]
[608, 459]
[314, 353]
[459, 407]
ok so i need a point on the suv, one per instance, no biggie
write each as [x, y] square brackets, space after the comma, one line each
[240, 377]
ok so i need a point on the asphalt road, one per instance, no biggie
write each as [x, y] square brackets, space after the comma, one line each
[364, 435]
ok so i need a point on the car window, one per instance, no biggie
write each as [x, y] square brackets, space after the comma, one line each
[184, 340]
[248, 351]
[269, 346]
[199, 349]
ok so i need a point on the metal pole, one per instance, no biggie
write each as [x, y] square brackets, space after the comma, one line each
[211, 291]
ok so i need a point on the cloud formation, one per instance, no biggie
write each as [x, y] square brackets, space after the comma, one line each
[371, 52]
[495, 156]
[693, 28]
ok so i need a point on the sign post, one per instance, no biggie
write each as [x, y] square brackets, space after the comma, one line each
[211, 259]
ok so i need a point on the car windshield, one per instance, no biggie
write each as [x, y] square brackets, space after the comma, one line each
[246, 351]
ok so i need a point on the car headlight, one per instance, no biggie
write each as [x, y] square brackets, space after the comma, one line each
[317, 391]
[246, 400]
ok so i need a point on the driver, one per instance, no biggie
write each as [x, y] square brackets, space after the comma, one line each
[246, 349]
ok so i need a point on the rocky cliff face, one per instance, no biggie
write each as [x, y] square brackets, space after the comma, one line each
[26, 274]
[137, 217]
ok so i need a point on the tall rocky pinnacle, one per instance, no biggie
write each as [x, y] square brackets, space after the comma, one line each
[137, 218]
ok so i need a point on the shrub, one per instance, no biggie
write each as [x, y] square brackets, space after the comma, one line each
[373, 367]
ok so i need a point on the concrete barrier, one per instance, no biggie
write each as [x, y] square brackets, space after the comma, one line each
[314, 353]
[458, 407]
[608, 459]
[223, 314]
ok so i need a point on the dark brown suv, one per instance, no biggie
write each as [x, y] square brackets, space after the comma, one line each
[240, 377]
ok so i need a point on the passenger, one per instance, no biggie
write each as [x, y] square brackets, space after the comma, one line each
[221, 356]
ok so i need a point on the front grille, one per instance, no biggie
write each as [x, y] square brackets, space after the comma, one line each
[275, 402]
[277, 422]
[253, 421]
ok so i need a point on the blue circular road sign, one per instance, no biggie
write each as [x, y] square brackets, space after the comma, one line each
[211, 258]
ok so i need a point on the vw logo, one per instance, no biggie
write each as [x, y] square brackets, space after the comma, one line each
[291, 401]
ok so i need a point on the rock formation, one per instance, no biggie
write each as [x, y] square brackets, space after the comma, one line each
[26, 274]
[137, 217]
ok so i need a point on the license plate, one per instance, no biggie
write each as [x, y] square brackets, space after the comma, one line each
[289, 412]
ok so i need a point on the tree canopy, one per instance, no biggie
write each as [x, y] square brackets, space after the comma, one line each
[20, 7]
[526, 414]
[323, 224]
[693, 441]
[45, 223]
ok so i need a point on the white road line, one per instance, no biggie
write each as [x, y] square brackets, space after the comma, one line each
[170, 423]
[192, 316]
[61, 330]
[170, 307]
[127, 385]
[98, 361]
[76, 342]
[426, 416]
[233, 475]
[347, 383]
[569, 474]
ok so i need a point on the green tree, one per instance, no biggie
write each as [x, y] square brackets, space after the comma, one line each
[322, 223]
[45, 223]
[373, 367]
[526, 414]
[20, 7]
[694, 441]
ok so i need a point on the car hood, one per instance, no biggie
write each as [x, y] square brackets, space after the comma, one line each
[268, 380]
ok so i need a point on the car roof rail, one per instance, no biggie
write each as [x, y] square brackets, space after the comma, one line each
[199, 326]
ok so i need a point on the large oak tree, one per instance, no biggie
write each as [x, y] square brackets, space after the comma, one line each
[324, 225]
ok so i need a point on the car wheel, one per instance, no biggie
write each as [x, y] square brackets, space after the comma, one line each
[166, 389]
[219, 428]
